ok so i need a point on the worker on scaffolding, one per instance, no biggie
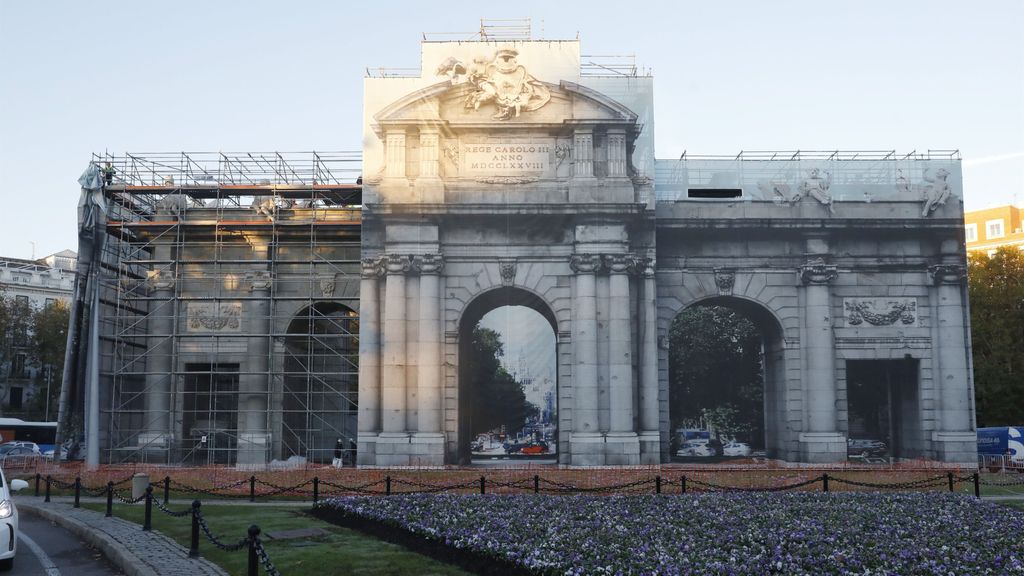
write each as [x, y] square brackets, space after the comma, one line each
[108, 173]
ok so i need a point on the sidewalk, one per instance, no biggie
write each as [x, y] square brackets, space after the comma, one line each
[135, 552]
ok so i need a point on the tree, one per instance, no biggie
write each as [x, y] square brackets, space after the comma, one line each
[48, 342]
[496, 399]
[996, 288]
[715, 372]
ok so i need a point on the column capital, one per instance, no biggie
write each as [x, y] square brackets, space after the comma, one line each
[428, 263]
[585, 263]
[817, 271]
[620, 263]
[372, 267]
[160, 280]
[396, 263]
[258, 280]
[646, 267]
[947, 273]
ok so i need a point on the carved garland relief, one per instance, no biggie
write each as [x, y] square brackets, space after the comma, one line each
[866, 312]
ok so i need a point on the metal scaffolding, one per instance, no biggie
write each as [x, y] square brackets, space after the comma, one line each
[228, 307]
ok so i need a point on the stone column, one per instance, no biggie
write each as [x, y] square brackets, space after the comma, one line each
[429, 187]
[616, 152]
[650, 413]
[429, 439]
[821, 441]
[394, 154]
[622, 445]
[583, 153]
[586, 443]
[369, 360]
[157, 435]
[954, 439]
[254, 386]
[393, 371]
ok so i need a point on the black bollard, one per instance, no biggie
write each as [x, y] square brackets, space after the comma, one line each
[977, 486]
[252, 488]
[110, 499]
[78, 491]
[657, 484]
[193, 550]
[254, 564]
[38, 478]
[316, 489]
[47, 499]
[483, 487]
[949, 475]
[167, 489]
[387, 485]
[147, 519]
[682, 484]
[536, 484]
[824, 482]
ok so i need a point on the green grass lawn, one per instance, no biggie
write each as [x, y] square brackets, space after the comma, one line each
[342, 551]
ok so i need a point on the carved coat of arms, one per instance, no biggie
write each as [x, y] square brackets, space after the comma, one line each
[501, 81]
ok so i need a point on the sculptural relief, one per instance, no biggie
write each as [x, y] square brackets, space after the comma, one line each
[500, 80]
[816, 186]
[934, 190]
[880, 311]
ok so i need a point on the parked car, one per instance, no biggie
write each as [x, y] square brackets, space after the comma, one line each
[864, 448]
[736, 449]
[698, 449]
[24, 444]
[13, 456]
[9, 518]
[535, 448]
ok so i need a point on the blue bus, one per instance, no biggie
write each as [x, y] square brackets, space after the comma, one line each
[42, 433]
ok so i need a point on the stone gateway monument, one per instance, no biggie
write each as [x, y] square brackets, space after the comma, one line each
[254, 307]
[507, 173]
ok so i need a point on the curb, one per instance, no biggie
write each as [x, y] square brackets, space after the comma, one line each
[117, 553]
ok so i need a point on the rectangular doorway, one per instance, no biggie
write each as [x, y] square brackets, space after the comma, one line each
[210, 413]
[882, 409]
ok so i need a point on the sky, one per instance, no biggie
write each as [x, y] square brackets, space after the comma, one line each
[83, 77]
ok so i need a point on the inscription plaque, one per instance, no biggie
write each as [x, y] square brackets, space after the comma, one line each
[505, 158]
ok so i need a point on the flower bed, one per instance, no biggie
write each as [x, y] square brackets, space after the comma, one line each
[722, 533]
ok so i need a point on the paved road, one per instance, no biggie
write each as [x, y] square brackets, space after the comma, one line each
[48, 550]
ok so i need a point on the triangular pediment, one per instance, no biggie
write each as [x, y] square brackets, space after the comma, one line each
[452, 106]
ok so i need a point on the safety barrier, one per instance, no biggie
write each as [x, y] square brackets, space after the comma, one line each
[536, 484]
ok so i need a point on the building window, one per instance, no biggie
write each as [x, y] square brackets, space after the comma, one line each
[18, 365]
[21, 299]
[16, 397]
[994, 228]
[971, 232]
[50, 302]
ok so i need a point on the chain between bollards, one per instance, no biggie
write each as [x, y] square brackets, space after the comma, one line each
[254, 565]
[78, 491]
[824, 482]
[316, 489]
[147, 519]
[387, 485]
[252, 488]
[167, 489]
[536, 484]
[110, 499]
[193, 550]
[47, 499]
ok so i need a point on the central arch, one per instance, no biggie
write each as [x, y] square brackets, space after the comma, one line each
[773, 371]
[476, 311]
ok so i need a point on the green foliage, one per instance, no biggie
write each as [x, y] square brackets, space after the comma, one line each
[496, 399]
[340, 551]
[716, 373]
[996, 287]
